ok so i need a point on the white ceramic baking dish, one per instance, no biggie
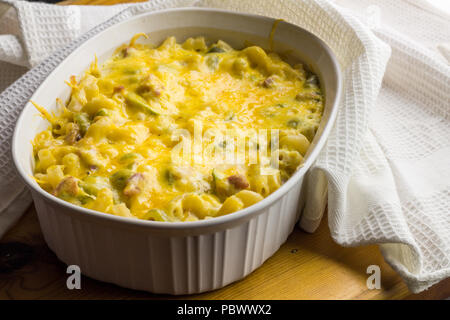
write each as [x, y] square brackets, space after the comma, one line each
[175, 258]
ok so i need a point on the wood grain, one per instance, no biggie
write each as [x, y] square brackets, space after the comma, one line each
[307, 266]
[97, 2]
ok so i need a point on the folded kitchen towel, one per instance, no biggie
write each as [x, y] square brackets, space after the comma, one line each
[384, 172]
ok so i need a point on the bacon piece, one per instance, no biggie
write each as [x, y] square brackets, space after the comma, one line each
[132, 186]
[118, 89]
[269, 82]
[68, 186]
[74, 134]
[238, 181]
[150, 85]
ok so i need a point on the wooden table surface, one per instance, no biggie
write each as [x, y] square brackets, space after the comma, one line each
[307, 266]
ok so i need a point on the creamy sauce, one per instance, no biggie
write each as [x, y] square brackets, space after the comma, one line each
[111, 146]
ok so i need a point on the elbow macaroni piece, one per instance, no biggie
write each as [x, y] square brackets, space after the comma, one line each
[109, 148]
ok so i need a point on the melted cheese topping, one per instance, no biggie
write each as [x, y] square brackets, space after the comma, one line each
[180, 132]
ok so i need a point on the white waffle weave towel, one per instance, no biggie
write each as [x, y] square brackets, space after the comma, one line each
[386, 165]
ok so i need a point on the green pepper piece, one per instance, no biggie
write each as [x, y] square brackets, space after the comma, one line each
[216, 49]
[168, 175]
[293, 123]
[82, 120]
[119, 178]
[129, 156]
[137, 101]
[156, 215]
[102, 113]
[217, 175]
[93, 184]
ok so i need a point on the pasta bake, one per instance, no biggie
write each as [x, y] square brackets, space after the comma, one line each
[179, 132]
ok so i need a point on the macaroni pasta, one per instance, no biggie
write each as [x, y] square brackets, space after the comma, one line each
[178, 132]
